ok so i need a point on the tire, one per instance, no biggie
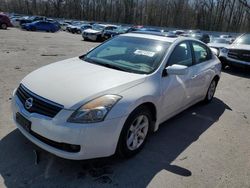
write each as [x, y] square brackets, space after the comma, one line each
[99, 38]
[135, 132]
[211, 91]
[33, 29]
[4, 26]
[223, 66]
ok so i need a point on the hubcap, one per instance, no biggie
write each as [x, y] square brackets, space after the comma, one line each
[137, 132]
[4, 26]
[211, 90]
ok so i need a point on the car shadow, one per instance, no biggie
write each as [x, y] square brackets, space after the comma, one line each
[20, 167]
[237, 71]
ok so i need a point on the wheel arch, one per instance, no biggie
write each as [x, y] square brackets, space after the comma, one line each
[152, 108]
[216, 78]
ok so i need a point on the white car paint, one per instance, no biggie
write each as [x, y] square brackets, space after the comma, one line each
[218, 45]
[74, 82]
[92, 31]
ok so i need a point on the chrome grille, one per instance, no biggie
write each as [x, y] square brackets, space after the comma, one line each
[40, 105]
[242, 55]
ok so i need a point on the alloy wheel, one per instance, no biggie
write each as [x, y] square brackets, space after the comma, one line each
[211, 90]
[137, 132]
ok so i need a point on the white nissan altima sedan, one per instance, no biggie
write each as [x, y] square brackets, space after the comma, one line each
[111, 98]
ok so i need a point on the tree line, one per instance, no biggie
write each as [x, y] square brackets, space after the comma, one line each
[214, 15]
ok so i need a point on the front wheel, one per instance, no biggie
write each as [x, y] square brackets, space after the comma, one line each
[4, 26]
[211, 91]
[134, 132]
[33, 29]
[223, 66]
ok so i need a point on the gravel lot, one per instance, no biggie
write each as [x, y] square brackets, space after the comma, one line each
[205, 146]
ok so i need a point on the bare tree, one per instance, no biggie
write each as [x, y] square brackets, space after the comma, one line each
[221, 15]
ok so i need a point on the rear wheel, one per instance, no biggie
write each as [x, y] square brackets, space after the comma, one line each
[4, 26]
[33, 29]
[211, 91]
[134, 132]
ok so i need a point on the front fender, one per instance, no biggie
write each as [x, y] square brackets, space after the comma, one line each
[146, 92]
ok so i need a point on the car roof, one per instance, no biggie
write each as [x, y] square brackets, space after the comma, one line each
[106, 25]
[151, 36]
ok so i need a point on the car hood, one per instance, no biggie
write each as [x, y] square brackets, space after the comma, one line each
[240, 46]
[218, 45]
[92, 31]
[73, 82]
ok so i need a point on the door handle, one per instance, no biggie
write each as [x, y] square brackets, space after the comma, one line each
[194, 76]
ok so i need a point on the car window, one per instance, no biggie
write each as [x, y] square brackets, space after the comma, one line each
[131, 54]
[112, 50]
[244, 39]
[181, 55]
[201, 52]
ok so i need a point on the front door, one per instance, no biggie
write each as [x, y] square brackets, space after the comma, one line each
[176, 89]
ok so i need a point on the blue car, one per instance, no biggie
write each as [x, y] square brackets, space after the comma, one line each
[41, 26]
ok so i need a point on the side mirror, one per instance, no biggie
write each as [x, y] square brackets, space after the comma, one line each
[215, 51]
[176, 70]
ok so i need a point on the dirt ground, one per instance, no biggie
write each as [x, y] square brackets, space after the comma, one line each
[205, 146]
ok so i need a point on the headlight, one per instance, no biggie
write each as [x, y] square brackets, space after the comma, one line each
[95, 110]
[224, 50]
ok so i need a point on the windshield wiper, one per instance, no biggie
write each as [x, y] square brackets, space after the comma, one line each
[113, 66]
[90, 60]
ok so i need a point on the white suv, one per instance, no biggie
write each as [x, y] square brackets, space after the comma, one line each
[238, 53]
[109, 99]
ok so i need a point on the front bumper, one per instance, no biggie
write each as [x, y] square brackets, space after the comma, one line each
[90, 36]
[95, 139]
[235, 62]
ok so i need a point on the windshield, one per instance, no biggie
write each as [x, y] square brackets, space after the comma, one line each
[221, 40]
[122, 29]
[129, 54]
[244, 39]
[98, 27]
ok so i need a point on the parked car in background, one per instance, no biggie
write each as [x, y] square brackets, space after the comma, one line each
[218, 43]
[170, 34]
[229, 38]
[64, 25]
[238, 53]
[151, 29]
[41, 26]
[80, 28]
[71, 27]
[30, 19]
[120, 30]
[95, 33]
[116, 95]
[15, 21]
[193, 31]
[4, 21]
[201, 36]
[179, 32]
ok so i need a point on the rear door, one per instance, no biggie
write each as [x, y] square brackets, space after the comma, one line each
[39, 26]
[201, 69]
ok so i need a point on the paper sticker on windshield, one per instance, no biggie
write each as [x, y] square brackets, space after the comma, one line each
[144, 52]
